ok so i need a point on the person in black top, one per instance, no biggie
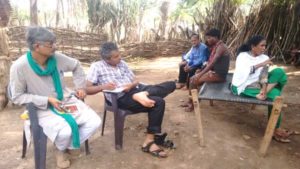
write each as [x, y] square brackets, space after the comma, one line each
[217, 67]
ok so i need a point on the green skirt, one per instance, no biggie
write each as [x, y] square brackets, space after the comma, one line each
[278, 76]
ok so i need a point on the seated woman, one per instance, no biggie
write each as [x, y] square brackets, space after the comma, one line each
[252, 79]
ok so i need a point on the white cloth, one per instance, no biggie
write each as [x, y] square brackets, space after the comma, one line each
[241, 76]
[60, 133]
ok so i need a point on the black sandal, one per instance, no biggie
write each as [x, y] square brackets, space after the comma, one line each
[160, 139]
[155, 153]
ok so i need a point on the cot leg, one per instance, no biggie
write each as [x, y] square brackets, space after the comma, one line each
[198, 115]
[277, 105]
[253, 106]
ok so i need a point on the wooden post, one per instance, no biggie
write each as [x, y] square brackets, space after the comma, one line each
[253, 106]
[277, 105]
[211, 102]
[198, 115]
[4, 67]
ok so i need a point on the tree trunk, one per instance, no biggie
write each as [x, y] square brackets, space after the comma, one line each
[4, 67]
[33, 12]
[57, 14]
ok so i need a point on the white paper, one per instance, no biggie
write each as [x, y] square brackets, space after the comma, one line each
[116, 90]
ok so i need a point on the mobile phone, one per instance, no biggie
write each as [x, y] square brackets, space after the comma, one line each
[63, 108]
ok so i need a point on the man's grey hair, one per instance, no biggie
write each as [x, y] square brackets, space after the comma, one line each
[106, 49]
[38, 34]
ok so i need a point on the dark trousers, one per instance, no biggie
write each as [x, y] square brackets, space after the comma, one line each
[183, 76]
[156, 113]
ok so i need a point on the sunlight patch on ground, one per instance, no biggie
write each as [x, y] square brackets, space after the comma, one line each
[157, 63]
[294, 73]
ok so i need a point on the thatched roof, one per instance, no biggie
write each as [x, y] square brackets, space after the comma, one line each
[5, 10]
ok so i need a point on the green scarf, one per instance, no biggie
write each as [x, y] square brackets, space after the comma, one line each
[51, 69]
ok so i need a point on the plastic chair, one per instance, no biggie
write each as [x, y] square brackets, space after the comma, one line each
[39, 139]
[119, 118]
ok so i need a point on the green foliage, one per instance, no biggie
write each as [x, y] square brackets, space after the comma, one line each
[22, 16]
[283, 2]
[100, 13]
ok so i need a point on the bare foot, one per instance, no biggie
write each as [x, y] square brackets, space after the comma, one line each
[261, 96]
[179, 85]
[142, 98]
[184, 88]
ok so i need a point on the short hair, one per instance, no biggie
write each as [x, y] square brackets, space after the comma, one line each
[196, 35]
[38, 34]
[214, 33]
[106, 49]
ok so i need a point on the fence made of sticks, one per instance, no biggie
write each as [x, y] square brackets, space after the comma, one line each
[175, 47]
[85, 46]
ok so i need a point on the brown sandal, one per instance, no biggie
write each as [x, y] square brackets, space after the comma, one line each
[185, 105]
[189, 108]
[155, 153]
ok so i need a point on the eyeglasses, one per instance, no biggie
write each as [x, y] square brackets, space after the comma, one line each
[47, 44]
[53, 45]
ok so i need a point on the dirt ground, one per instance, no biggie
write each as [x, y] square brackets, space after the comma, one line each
[232, 131]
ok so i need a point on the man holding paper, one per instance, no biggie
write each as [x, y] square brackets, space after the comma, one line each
[112, 73]
[37, 77]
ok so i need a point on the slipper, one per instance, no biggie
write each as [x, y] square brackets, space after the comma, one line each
[281, 139]
[184, 105]
[155, 153]
[189, 108]
[291, 132]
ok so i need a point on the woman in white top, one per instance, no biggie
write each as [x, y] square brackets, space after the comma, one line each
[252, 79]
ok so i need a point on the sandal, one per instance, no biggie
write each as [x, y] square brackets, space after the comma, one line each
[155, 153]
[160, 139]
[281, 139]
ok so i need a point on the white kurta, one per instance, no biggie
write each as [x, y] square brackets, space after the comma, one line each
[26, 86]
[242, 77]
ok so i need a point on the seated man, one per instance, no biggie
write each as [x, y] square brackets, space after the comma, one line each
[191, 61]
[111, 72]
[36, 77]
[217, 67]
[295, 54]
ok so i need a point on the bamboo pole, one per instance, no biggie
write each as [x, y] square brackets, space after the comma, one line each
[198, 116]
